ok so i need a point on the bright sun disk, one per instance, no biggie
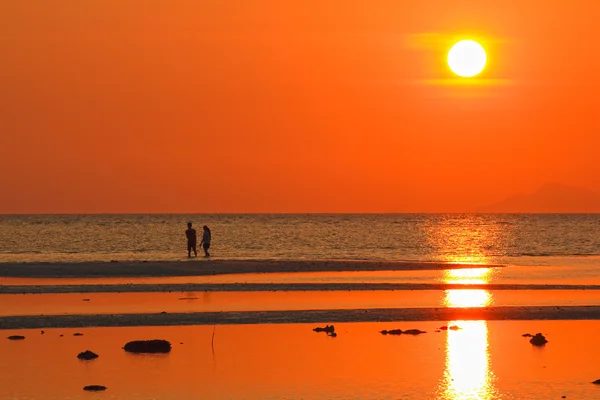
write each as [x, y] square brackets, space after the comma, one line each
[467, 58]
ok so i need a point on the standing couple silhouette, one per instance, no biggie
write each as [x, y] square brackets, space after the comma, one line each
[190, 234]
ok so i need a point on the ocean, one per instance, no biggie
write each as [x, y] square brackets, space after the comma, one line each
[515, 239]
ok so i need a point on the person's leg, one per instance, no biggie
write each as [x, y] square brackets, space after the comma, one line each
[205, 246]
[195, 254]
[189, 250]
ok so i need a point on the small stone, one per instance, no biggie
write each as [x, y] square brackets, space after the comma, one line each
[78, 334]
[454, 327]
[42, 332]
[413, 332]
[87, 355]
[596, 382]
[94, 388]
[527, 335]
[85, 300]
[16, 337]
[391, 332]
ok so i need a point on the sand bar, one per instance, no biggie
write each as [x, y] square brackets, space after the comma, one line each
[303, 316]
[197, 267]
[148, 303]
[278, 287]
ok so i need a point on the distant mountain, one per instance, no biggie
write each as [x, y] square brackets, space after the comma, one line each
[550, 198]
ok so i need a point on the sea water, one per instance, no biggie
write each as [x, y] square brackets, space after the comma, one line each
[517, 239]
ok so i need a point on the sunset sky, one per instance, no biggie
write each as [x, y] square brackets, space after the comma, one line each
[292, 106]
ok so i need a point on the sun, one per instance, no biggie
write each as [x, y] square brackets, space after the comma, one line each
[467, 58]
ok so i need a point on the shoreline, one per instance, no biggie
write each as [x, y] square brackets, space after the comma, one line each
[275, 287]
[504, 313]
[201, 267]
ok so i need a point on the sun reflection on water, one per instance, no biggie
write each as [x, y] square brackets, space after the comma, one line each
[468, 374]
[467, 297]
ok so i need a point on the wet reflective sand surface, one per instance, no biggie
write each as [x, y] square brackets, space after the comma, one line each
[482, 360]
[572, 275]
[122, 303]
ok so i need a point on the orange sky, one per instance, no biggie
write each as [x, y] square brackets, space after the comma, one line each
[292, 106]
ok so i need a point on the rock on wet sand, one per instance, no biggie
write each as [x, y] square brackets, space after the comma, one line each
[148, 346]
[87, 355]
[401, 332]
[94, 388]
[538, 340]
[16, 337]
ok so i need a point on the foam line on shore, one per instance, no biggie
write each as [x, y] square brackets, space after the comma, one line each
[200, 267]
[274, 287]
[303, 316]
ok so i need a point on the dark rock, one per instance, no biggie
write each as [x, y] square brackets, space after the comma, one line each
[94, 388]
[16, 337]
[43, 332]
[163, 312]
[454, 327]
[538, 340]
[78, 334]
[85, 300]
[443, 328]
[148, 346]
[332, 334]
[437, 331]
[413, 332]
[62, 335]
[87, 355]
[563, 397]
[391, 332]
[596, 382]
[527, 335]
[327, 329]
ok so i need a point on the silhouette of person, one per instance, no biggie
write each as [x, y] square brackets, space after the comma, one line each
[190, 234]
[206, 241]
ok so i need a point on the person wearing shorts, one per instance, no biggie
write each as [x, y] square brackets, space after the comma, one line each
[190, 234]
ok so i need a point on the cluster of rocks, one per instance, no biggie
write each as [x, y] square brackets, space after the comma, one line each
[328, 329]
[136, 346]
[537, 340]
[401, 332]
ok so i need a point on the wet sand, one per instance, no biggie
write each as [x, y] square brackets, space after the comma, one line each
[195, 267]
[482, 360]
[274, 287]
[141, 303]
[304, 316]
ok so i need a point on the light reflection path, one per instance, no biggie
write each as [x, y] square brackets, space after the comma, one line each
[468, 374]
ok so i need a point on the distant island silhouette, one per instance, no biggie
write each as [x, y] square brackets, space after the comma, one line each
[549, 198]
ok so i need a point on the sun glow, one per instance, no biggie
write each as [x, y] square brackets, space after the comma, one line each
[467, 58]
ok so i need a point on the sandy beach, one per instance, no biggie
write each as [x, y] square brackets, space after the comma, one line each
[273, 287]
[259, 308]
[197, 267]
[303, 316]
